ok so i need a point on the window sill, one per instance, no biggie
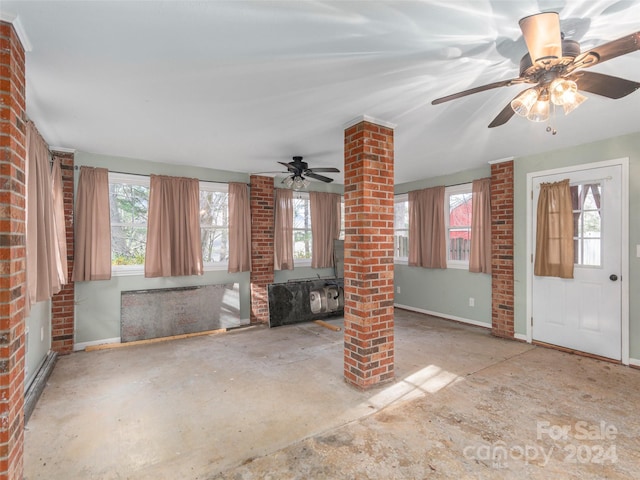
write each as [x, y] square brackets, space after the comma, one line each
[458, 265]
[138, 270]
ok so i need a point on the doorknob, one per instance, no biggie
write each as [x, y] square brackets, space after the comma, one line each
[613, 277]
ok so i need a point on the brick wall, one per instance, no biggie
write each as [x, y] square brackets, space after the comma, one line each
[502, 293]
[262, 221]
[62, 304]
[12, 252]
[368, 262]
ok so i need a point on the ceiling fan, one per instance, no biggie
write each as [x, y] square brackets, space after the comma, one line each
[300, 171]
[554, 66]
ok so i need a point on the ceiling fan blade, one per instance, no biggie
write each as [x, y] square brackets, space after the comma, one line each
[289, 166]
[610, 50]
[489, 86]
[504, 116]
[542, 35]
[322, 178]
[323, 169]
[605, 85]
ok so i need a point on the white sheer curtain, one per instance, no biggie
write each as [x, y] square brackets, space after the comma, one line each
[325, 227]
[283, 230]
[239, 228]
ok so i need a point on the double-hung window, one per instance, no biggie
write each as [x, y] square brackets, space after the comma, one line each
[302, 229]
[129, 204]
[457, 217]
[214, 224]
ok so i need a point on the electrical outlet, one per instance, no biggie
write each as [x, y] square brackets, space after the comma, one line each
[398, 289]
[472, 302]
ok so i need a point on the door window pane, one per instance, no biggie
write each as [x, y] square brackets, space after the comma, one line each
[587, 223]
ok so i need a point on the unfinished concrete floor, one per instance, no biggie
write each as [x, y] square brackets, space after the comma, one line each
[272, 404]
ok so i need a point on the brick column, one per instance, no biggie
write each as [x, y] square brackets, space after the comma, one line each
[368, 254]
[12, 252]
[502, 220]
[63, 303]
[262, 220]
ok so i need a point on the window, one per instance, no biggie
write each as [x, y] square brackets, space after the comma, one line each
[214, 224]
[587, 239]
[302, 227]
[401, 228]
[457, 215]
[129, 204]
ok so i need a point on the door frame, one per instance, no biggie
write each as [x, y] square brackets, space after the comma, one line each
[624, 244]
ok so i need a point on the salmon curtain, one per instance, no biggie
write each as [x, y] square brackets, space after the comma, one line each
[554, 231]
[325, 227]
[239, 228]
[174, 245]
[480, 255]
[42, 256]
[92, 260]
[283, 230]
[427, 237]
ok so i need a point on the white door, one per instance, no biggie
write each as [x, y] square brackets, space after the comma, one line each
[584, 313]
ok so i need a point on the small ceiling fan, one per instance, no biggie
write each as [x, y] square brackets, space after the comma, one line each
[300, 171]
[554, 67]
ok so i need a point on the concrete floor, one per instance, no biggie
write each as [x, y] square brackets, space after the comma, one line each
[272, 404]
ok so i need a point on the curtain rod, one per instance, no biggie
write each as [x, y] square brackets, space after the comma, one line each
[149, 174]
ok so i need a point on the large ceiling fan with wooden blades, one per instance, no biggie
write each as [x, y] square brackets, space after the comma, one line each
[300, 171]
[555, 67]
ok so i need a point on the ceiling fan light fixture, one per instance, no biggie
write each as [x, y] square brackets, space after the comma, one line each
[299, 183]
[563, 91]
[573, 101]
[524, 102]
[540, 111]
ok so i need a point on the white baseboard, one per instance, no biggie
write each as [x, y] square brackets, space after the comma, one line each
[635, 362]
[83, 345]
[520, 336]
[444, 315]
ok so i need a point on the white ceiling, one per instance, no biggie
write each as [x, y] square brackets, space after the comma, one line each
[238, 85]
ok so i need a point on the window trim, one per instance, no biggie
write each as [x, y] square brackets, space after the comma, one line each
[129, 179]
[401, 198]
[302, 262]
[209, 186]
[448, 191]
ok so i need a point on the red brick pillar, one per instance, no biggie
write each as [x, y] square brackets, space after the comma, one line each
[262, 220]
[502, 282]
[63, 303]
[12, 252]
[368, 254]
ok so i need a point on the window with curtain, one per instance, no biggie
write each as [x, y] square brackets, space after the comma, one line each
[554, 255]
[457, 205]
[92, 260]
[283, 230]
[427, 234]
[587, 229]
[401, 228]
[302, 236]
[480, 254]
[174, 246]
[129, 204]
[239, 228]
[45, 274]
[325, 227]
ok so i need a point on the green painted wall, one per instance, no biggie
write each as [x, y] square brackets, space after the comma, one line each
[39, 343]
[627, 146]
[445, 292]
